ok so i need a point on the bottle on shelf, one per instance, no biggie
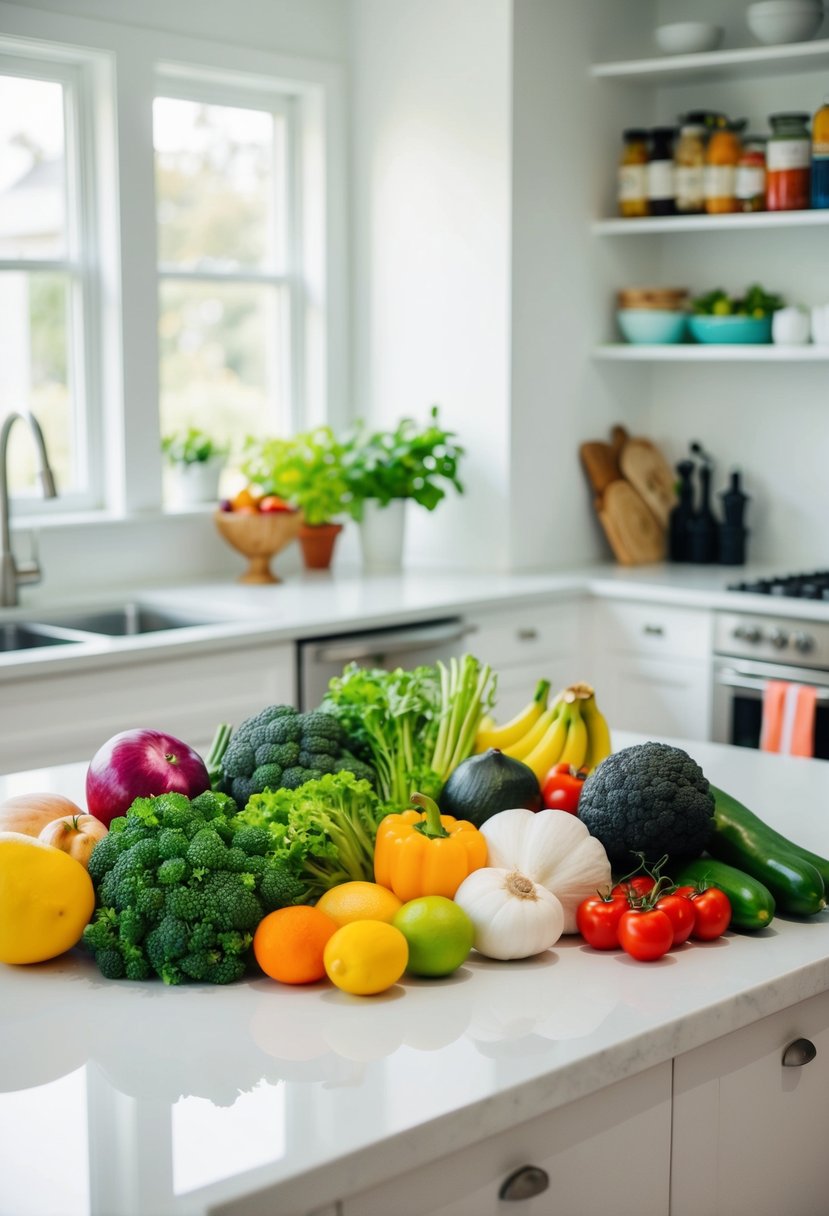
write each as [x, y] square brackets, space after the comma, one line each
[820, 157]
[632, 174]
[661, 189]
[679, 520]
[788, 163]
[703, 528]
[721, 157]
[750, 184]
[689, 167]
[732, 531]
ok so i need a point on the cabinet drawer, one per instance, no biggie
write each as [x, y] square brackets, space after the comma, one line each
[524, 635]
[652, 630]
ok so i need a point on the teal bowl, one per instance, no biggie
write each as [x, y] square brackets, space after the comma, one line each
[651, 326]
[752, 330]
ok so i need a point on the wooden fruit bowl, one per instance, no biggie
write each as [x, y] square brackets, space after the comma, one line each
[259, 537]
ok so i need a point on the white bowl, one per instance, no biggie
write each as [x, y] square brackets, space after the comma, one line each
[779, 21]
[688, 37]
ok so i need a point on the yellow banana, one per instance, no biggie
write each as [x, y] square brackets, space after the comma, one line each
[575, 747]
[522, 748]
[598, 733]
[491, 735]
[548, 751]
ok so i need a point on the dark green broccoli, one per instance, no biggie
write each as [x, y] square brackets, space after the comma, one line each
[652, 799]
[178, 891]
[280, 748]
[280, 888]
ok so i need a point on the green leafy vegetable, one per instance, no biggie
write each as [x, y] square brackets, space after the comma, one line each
[319, 835]
[413, 727]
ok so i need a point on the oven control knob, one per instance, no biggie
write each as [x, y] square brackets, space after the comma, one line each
[804, 642]
[778, 639]
[747, 633]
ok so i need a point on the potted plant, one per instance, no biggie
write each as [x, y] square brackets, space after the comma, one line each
[196, 461]
[385, 469]
[306, 471]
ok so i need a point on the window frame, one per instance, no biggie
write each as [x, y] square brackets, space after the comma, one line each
[76, 73]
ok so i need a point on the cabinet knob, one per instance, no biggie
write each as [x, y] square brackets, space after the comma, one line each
[653, 631]
[798, 1053]
[527, 635]
[524, 1183]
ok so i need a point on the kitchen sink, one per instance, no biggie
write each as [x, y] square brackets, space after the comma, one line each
[18, 636]
[126, 620]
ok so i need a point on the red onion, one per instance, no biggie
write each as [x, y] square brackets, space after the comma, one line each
[138, 764]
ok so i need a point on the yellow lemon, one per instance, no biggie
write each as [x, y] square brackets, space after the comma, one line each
[366, 956]
[359, 901]
[46, 899]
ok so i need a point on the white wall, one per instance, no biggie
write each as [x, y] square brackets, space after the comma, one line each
[431, 84]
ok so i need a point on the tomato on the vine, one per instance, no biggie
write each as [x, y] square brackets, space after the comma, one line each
[645, 933]
[561, 788]
[712, 914]
[598, 919]
[639, 885]
[680, 912]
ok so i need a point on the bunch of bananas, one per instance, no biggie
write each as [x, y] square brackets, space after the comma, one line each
[571, 730]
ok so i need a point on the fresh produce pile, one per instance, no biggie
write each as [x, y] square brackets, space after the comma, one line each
[393, 829]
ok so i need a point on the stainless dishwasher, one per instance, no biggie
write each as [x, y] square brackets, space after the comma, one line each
[398, 646]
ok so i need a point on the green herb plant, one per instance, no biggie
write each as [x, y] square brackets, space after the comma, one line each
[307, 470]
[407, 462]
[757, 302]
[192, 446]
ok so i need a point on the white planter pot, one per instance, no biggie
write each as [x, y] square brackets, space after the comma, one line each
[191, 484]
[382, 532]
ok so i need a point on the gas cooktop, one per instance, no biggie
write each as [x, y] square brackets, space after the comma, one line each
[811, 586]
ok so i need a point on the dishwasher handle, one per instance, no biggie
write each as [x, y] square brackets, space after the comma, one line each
[379, 646]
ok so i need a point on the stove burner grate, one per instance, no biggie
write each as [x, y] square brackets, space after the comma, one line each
[813, 585]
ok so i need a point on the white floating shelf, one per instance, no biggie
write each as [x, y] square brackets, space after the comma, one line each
[713, 65]
[711, 353]
[711, 223]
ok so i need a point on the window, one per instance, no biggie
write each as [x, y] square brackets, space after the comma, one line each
[229, 307]
[46, 217]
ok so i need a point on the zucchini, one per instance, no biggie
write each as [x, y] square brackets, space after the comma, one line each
[741, 839]
[752, 903]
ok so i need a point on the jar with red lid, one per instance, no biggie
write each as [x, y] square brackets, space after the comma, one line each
[788, 163]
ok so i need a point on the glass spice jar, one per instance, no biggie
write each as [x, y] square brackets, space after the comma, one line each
[689, 169]
[788, 163]
[750, 186]
[632, 174]
[661, 190]
[721, 158]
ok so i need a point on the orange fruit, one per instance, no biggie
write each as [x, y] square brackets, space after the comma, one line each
[359, 901]
[366, 956]
[245, 500]
[288, 944]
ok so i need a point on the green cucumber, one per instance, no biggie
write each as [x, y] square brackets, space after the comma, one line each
[752, 903]
[741, 839]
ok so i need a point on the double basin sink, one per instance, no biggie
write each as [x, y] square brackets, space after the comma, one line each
[125, 620]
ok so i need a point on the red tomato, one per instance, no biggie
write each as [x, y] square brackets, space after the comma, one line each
[640, 885]
[712, 913]
[688, 891]
[645, 934]
[680, 912]
[271, 503]
[598, 921]
[561, 788]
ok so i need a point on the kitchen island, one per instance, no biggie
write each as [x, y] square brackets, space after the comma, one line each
[615, 1078]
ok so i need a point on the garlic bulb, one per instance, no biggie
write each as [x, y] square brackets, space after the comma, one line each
[513, 917]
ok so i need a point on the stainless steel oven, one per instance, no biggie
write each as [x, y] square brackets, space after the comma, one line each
[751, 650]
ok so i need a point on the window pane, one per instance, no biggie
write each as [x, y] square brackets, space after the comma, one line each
[216, 181]
[220, 368]
[32, 169]
[34, 373]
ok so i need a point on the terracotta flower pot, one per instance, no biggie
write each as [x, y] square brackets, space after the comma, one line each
[317, 543]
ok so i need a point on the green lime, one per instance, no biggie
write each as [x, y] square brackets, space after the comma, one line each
[439, 934]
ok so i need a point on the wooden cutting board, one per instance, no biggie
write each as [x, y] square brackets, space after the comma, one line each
[647, 470]
[633, 531]
[601, 460]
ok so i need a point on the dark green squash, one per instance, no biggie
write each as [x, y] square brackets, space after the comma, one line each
[485, 784]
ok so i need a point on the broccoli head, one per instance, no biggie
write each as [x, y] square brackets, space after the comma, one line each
[652, 799]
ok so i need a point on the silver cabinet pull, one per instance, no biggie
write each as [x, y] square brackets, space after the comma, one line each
[653, 631]
[524, 1183]
[527, 635]
[798, 1053]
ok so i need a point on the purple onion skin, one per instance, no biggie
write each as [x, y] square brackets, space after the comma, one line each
[139, 764]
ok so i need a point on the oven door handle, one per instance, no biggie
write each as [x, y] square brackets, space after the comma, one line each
[729, 678]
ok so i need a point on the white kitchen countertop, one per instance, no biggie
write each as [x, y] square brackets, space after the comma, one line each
[319, 603]
[127, 1098]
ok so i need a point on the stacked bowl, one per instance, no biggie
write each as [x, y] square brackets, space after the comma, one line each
[652, 315]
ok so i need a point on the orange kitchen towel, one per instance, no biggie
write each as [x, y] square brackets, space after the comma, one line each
[788, 724]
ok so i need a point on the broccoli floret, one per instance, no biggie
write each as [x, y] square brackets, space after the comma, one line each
[105, 854]
[226, 971]
[110, 964]
[242, 788]
[184, 903]
[350, 764]
[285, 729]
[207, 850]
[324, 725]
[253, 841]
[652, 799]
[172, 871]
[239, 758]
[280, 888]
[317, 762]
[102, 931]
[267, 777]
[171, 843]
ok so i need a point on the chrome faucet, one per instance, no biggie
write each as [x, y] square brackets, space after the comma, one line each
[12, 574]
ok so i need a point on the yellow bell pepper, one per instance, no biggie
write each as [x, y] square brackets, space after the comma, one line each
[426, 854]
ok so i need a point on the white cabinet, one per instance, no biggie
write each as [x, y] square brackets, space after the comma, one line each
[651, 666]
[608, 1152]
[65, 716]
[527, 644]
[749, 1134]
